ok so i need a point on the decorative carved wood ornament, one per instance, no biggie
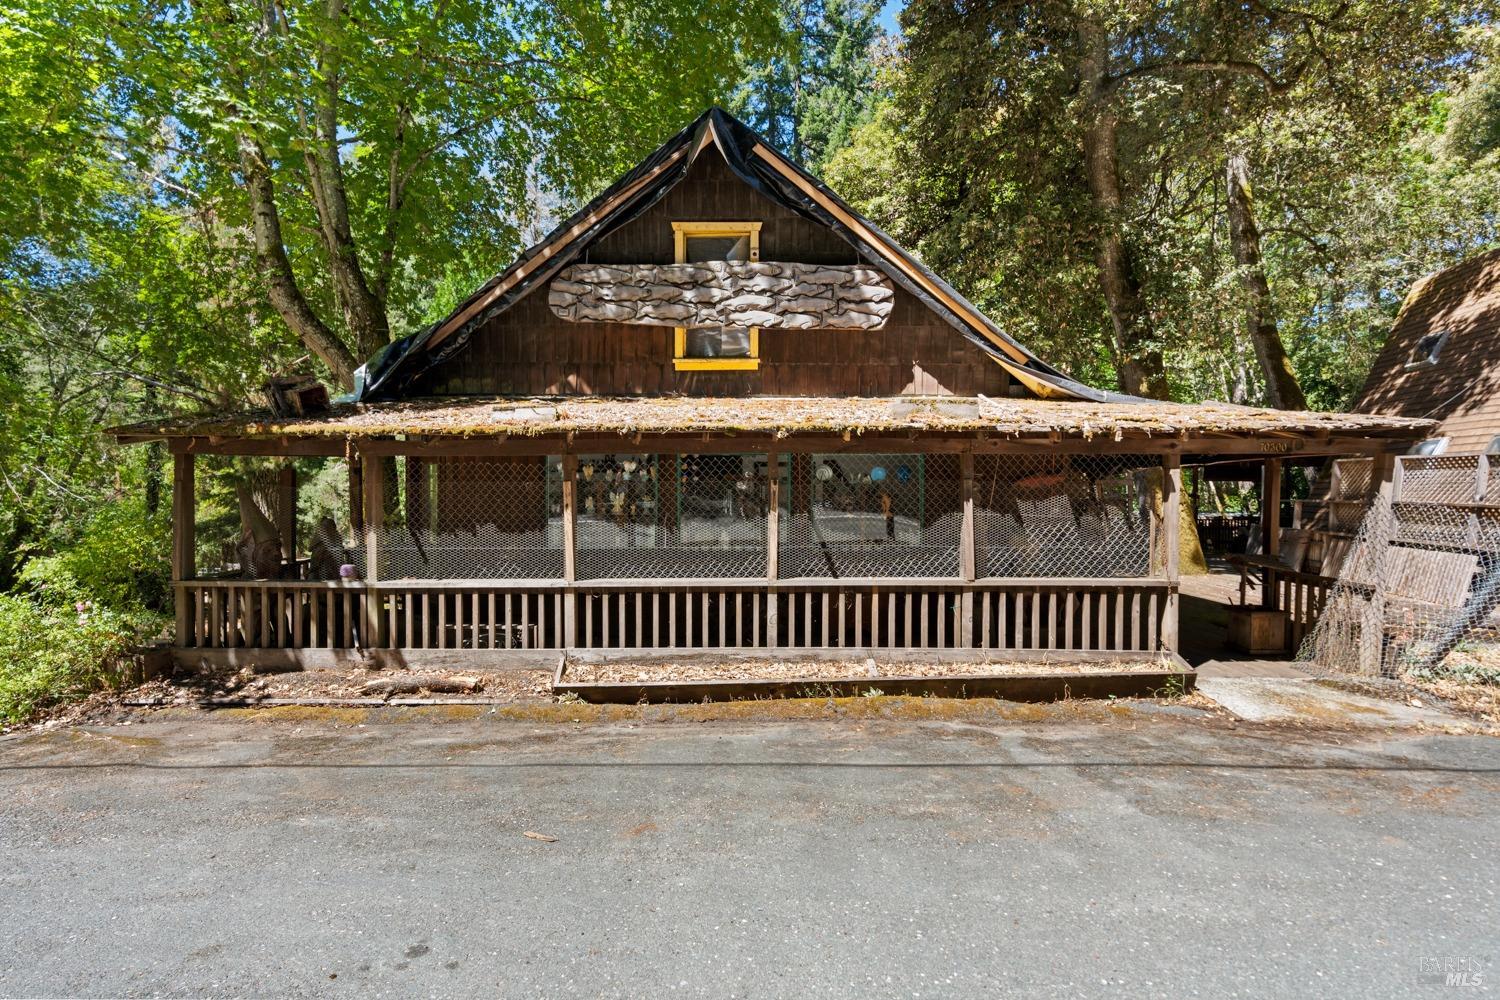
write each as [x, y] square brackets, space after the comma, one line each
[765, 294]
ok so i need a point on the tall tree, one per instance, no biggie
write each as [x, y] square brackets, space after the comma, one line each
[822, 83]
[1282, 388]
[371, 149]
[1106, 110]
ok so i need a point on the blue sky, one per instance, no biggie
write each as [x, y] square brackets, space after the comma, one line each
[888, 15]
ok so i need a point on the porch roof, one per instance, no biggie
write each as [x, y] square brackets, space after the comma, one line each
[781, 417]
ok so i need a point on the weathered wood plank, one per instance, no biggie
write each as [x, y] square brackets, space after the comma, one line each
[1171, 508]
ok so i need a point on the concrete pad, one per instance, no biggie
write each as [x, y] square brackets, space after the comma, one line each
[1280, 699]
[1248, 667]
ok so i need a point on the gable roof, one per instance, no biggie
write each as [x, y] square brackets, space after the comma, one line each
[1461, 390]
[391, 372]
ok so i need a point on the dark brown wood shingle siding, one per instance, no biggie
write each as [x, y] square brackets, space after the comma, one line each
[528, 350]
[1463, 389]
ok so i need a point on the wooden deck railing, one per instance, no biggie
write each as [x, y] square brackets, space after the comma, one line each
[1095, 615]
[1300, 594]
[1031, 614]
[271, 614]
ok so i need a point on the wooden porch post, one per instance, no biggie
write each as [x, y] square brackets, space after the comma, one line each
[356, 497]
[1171, 526]
[286, 514]
[184, 541]
[1270, 529]
[967, 561]
[373, 484]
[570, 547]
[773, 542]
[1385, 489]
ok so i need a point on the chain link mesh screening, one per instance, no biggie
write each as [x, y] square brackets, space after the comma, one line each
[871, 516]
[473, 519]
[1417, 592]
[1352, 478]
[672, 516]
[1067, 515]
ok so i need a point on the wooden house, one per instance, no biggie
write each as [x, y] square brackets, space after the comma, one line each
[1442, 359]
[715, 408]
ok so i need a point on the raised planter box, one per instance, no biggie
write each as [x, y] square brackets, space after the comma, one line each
[1053, 677]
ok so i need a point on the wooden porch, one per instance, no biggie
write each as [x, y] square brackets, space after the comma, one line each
[977, 530]
[942, 520]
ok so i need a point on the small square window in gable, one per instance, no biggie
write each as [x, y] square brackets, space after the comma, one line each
[719, 348]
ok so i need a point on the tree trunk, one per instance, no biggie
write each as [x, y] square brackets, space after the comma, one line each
[270, 255]
[1142, 370]
[271, 258]
[1282, 389]
[364, 313]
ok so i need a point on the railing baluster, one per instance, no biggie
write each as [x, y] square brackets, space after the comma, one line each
[458, 621]
[351, 612]
[1101, 626]
[1135, 619]
[1119, 619]
[1152, 621]
[1035, 599]
[1068, 621]
[526, 642]
[1051, 619]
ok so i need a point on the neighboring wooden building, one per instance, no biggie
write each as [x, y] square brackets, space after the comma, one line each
[1442, 359]
[716, 408]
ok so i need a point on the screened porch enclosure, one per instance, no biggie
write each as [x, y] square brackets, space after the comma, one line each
[659, 550]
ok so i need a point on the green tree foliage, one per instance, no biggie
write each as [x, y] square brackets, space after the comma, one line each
[343, 142]
[1067, 162]
[821, 83]
[200, 196]
[57, 650]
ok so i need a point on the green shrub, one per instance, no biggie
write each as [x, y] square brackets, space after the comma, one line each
[119, 558]
[53, 651]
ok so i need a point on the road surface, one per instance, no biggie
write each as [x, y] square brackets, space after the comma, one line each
[1154, 857]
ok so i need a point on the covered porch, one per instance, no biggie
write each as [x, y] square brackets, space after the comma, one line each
[513, 531]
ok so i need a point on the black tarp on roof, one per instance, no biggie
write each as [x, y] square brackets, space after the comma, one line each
[392, 372]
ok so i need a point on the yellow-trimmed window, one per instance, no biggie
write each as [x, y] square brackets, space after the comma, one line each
[718, 349]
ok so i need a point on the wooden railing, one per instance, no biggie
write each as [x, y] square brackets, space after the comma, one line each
[1300, 594]
[1029, 614]
[1097, 615]
[463, 615]
[271, 614]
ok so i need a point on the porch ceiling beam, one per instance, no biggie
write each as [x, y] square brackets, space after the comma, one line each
[289, 447]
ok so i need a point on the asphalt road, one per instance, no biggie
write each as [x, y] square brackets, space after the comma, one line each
[832, 859]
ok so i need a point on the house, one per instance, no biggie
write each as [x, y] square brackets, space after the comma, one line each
[1420, 560]
[714, 408]
[1442, 359]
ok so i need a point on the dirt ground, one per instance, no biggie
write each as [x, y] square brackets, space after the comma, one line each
[527, 694]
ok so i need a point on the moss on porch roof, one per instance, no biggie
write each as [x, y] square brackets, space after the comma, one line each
[782, 416]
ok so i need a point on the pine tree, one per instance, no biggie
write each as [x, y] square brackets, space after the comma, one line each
[810, 95]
